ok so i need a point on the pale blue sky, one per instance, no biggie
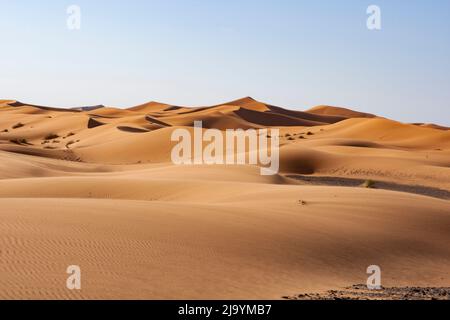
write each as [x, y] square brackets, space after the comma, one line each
[294, 54]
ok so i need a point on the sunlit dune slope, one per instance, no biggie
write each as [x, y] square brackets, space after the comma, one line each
[322, 141]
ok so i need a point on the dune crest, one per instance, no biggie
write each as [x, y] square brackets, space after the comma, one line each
[339, 111]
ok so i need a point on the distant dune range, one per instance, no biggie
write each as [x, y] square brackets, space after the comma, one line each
[95, 187]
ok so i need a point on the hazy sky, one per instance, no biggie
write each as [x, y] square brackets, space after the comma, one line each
[294, 54]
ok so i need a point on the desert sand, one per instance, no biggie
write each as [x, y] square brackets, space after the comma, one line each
[95, 187]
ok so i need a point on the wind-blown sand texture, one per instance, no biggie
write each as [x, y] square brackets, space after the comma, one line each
[95, 187]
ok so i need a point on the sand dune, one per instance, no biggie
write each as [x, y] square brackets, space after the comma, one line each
[240, 247]
[339, 111]
[95, 187]
[432, 125]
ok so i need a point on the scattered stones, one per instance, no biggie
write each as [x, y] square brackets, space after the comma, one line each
[361, 292]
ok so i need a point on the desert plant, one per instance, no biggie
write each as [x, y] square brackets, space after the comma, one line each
[6, 130]
[309, 133]
[368, 184]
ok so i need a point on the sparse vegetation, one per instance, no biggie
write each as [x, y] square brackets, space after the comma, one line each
[18, 125]
[51, 136]
[6, 130]
[69, 143]
[368, 184]
[301, 137]
[309, 133]
[56, 141]
[302, 202]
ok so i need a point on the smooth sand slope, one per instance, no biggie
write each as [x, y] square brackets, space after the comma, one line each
[95, 187]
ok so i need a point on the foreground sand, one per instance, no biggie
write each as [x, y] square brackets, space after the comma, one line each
[228, 238]
[140, 227]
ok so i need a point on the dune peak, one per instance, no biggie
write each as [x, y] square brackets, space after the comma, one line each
[339, 111]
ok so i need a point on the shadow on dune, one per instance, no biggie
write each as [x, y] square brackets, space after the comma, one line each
[94, 123]
[351, 182]
[273, 119]
[132, 129]
[325, 119]
[172, 108]
[156, 121]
